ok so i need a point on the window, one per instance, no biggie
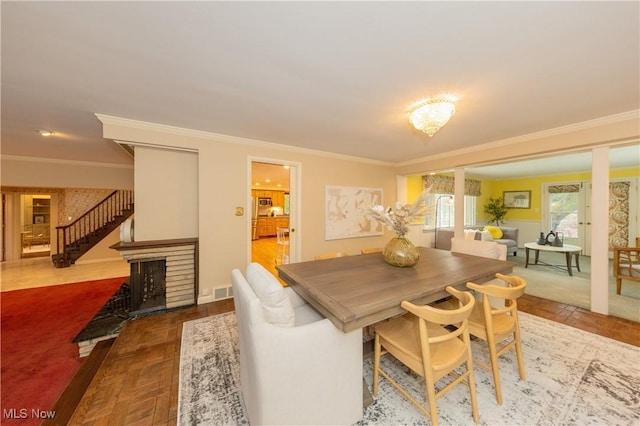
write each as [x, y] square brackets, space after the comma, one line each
[445, 210]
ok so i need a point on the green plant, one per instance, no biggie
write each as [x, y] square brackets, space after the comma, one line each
[496, 209]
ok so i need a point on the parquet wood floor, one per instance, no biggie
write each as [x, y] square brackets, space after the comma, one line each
[138, 381]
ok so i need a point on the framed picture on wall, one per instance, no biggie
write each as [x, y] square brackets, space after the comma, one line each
[517, 199]
[343, 212]
[37, 219]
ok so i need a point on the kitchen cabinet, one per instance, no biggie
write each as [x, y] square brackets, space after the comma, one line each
[282, 222]
[271, 226]
[262, 227]
[267, 225]
[278, 199]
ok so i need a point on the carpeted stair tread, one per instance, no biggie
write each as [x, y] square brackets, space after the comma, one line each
[70, 398]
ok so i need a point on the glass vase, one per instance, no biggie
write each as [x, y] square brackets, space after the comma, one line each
[401, 252]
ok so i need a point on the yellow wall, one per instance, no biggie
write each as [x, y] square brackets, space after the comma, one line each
[534, 184]
[495, 188]
[415, 186]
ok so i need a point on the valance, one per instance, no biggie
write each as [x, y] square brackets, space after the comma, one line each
[562, 189]
[441, 184]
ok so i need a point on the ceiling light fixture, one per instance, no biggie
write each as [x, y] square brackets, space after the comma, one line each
[44, 132]
[430, 114]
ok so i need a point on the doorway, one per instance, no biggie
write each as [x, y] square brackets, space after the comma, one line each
[35, 225]
[273, 206]
[567, 209]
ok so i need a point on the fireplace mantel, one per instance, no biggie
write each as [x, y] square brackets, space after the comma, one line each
[136, 245]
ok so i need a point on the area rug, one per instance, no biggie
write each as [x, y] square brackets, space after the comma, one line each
[39, 358]
[573, 378]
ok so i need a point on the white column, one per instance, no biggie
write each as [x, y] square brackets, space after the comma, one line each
[600, 230]
[459, 202]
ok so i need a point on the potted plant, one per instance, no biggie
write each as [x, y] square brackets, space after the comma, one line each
[496, 209]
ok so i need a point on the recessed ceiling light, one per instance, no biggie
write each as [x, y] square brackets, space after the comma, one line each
[44, 132]
[267, 180]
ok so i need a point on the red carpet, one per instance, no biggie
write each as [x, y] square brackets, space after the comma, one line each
[38, 356]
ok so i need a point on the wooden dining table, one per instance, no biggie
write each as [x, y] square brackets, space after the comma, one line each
[360, 290]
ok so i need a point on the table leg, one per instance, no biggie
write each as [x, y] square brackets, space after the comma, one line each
[526, 261]
[537, 256]
[568, 255]
[578, 261]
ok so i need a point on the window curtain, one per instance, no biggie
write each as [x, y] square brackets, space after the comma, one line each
[619, 214]
[441, 184]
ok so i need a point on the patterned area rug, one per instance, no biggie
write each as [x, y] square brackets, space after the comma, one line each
[573, 378]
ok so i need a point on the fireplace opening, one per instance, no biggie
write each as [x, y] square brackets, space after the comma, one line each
[148, 285]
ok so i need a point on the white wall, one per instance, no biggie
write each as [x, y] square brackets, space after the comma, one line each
[49, 173]
[166, 194]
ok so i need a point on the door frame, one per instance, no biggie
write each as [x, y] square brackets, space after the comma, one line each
[295, 204]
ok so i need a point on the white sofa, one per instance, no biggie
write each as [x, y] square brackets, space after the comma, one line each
[296, 367]
[490, 249]
[509, 238]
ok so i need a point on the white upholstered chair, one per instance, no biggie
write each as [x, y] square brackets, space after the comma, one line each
[296, 367]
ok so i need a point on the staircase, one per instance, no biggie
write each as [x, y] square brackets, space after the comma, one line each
[81, 235]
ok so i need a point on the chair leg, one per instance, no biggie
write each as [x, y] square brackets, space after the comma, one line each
[494, 367]
[516, 335]
[431, 398]
[618, 285]
[376, 364]
[471, 381]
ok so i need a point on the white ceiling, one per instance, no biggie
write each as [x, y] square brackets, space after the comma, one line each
[330, 76]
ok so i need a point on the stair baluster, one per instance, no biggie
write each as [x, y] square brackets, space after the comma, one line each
[78, 237]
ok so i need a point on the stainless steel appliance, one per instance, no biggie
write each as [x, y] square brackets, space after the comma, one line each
[255, 208]
[264, 202]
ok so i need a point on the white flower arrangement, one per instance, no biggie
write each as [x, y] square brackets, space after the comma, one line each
[398, 217]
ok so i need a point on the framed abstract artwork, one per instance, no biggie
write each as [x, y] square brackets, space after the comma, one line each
[343, 215]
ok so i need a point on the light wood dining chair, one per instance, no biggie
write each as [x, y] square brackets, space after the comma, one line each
[419, 340]
[331, 255]
[497, 324]
[626, 264]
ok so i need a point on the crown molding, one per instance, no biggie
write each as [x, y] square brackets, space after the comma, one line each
[584, 125]
[65, 162]
[219, 137]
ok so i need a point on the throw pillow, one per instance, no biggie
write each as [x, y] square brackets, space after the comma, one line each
[485, 236]
[276, 306]
[495, 232]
